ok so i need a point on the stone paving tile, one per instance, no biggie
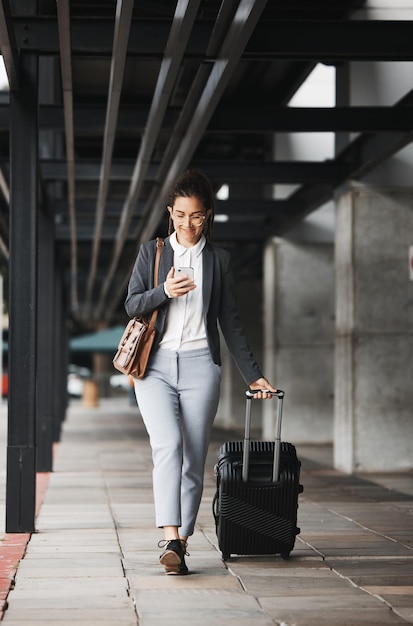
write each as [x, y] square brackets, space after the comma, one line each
[70, 600]
[375, 571]
[321, 583]
[346, 547]
[29, 587]
[398, 597]
[59, 617]
[392, 590]
[74, 539]
[91, 565]
[202, 607]
[63, 617]
[69, 622]
[400, 482]
[330, 616]
[381, 517]
[338, 601]
[406, 613]
[65, 549]
[197, 579]
[381, 580]
[144, 530]
[379, 577]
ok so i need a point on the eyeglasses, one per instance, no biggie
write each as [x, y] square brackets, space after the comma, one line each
[195, 220]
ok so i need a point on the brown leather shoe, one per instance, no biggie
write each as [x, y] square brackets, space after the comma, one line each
[173, 557]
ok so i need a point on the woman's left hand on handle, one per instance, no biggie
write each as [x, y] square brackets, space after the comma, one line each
[263, 386]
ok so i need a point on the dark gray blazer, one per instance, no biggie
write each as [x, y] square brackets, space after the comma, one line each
[219, 301]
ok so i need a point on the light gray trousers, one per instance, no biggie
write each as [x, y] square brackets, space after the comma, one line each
[178, 400]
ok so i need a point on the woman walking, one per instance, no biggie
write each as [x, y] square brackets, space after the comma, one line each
[178, 396]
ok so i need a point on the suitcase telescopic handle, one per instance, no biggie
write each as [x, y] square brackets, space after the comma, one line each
[277, 444]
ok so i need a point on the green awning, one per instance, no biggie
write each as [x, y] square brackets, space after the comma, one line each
[100, 341]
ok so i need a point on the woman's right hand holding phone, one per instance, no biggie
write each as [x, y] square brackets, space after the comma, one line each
[177, 286]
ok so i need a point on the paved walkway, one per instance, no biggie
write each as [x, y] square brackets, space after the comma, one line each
[93, 559]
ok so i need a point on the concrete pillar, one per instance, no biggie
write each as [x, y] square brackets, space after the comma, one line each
[231, 409]
[299, 331]
[373, 428]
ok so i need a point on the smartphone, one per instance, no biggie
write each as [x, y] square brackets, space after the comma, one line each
[185, 271]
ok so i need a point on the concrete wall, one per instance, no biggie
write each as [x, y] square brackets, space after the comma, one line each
[374, 332]
[300, 338]
[231, 410]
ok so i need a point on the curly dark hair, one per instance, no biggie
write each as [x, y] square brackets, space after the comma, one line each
[194, 184]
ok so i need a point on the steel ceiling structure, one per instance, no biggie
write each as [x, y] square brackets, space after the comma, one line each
[133, 92]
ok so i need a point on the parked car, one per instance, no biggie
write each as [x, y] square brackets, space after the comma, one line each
[76, 379]
[120, 381]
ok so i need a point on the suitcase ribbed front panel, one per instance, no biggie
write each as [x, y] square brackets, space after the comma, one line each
[257, 516]
[257, 520]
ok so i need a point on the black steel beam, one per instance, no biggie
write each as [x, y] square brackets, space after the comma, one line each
[148, 38]
[243, 120]
[366, 152]
[254, 206]
[91, 117]
[220, 171]
[85, 170]
[85, 234]
[282, 172]
[86, 207]
[332, 40]
[261, 119]
[236, 119]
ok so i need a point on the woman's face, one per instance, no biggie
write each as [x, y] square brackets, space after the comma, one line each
[189, 218]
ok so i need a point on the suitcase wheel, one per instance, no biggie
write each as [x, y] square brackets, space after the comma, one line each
[226, 556]
[285, 555]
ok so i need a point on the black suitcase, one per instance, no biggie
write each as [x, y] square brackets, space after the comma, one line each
[256, 502]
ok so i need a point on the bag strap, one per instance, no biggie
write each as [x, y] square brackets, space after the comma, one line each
[159, 245]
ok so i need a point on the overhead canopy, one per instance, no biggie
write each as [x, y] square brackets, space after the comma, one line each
[132, 93]
[101, 341]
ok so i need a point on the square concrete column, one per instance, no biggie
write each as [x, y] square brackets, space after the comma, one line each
[299, 338]
[231, 409]
[373, 428]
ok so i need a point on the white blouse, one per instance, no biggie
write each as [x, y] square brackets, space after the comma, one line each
[185, 327]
